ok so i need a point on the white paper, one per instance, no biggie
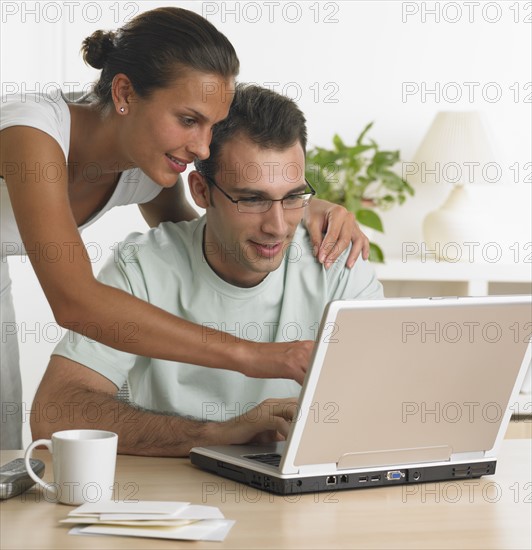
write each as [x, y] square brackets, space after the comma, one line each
[197, 511]
[89, 520]
[77, 531]
[175, 515]
[214, 530]
[124, 507]
[193, 511]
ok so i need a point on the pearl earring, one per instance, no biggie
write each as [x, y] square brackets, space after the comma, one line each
[122, 110]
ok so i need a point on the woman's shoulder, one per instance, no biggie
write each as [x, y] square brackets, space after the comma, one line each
[32, 106]
[47, 112]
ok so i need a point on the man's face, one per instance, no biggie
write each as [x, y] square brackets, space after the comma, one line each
[242, 248]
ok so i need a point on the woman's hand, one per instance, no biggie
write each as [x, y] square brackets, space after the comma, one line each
[273, 359]
[340, 228]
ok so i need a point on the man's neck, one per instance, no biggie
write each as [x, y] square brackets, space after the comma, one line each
[240, 279]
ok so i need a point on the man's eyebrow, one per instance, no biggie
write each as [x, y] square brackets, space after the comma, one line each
[251, 191]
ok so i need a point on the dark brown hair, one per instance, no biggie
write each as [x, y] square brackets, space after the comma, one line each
[269, 119]
[154, 48]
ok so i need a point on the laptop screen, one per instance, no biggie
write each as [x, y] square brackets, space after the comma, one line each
[411, 381]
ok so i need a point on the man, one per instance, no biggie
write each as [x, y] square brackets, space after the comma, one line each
[246, 267]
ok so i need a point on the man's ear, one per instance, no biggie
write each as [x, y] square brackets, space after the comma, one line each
[199, 189]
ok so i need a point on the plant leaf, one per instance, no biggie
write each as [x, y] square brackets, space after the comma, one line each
[338, 143]
[356, 175]
[363, 133]
[392, 181]
[409, 188]
[357, 149]
[369, 218]
[375, 253]
[352, 203]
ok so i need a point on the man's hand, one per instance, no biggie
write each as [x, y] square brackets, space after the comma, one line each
[341, 229]
[277, 359]
[268, 421]
[74, 388]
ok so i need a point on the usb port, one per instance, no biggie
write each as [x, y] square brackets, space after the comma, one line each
[375, 478]
[363, 479]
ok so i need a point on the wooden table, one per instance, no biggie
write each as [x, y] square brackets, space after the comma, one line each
[491, 512]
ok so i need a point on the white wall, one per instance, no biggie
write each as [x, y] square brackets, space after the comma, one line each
[344, 72]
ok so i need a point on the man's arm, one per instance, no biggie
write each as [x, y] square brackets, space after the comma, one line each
[72, 396]
[359, 283]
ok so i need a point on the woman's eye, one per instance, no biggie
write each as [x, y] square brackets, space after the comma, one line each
[188, 121]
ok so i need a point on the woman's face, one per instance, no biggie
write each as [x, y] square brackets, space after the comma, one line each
[168, 130]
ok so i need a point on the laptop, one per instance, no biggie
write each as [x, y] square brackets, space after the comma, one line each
[399, 391]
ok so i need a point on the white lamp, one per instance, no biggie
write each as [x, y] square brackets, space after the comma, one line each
[456, 150]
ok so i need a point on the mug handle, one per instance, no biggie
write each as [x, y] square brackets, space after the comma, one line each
[27, 455]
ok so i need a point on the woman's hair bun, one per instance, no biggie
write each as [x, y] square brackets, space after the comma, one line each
[96, 48]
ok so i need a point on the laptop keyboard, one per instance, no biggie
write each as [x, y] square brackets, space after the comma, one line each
[273, 459]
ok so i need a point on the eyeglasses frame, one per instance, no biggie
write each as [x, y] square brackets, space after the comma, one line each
[234, 201]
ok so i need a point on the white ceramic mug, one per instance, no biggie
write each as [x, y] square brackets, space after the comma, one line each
[84, 465]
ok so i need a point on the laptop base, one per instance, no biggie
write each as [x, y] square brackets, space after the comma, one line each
[312, 484]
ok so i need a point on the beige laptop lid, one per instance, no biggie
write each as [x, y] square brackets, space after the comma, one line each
[410, 381]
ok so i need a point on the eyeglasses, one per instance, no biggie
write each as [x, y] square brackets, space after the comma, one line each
[258, 206]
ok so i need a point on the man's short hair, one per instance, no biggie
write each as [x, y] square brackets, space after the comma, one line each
[269, 119]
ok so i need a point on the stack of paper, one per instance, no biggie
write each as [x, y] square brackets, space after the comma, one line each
[153, 519]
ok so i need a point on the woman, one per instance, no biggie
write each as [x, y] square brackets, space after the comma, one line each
[166, 80]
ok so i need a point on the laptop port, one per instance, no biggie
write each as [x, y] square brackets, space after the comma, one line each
[331, 480]
[394, 475]
[375, 478]
[463, 471]
[344, 479]
[363, 479]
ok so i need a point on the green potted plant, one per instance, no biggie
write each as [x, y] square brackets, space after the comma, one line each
[360, 178]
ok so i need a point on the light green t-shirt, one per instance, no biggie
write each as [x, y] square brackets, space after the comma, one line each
[167, 268]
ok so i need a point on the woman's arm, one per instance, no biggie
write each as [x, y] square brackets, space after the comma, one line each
[80, 302]
[170, 205]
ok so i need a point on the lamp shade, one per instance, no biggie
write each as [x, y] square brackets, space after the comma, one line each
[456, 149]
[456, 152]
